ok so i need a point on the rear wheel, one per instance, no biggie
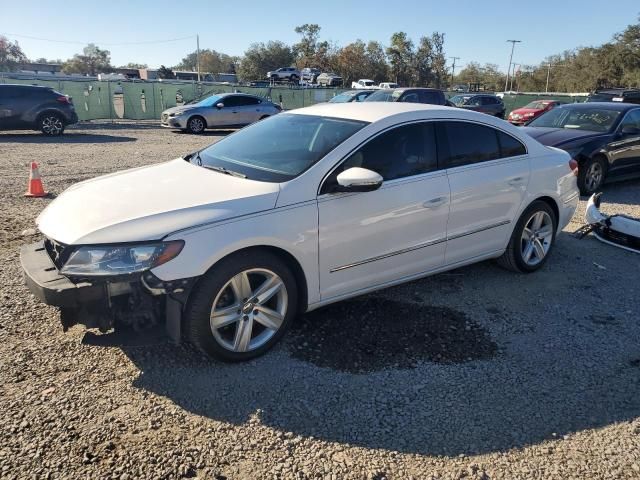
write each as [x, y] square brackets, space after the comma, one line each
[196, 125]
[531, 240]
[51, 124]
[591, 175]
[242, 307]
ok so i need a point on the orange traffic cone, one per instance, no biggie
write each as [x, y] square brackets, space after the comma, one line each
[35, 187]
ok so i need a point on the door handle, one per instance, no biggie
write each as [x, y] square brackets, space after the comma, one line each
[516, 181]
[435, 202]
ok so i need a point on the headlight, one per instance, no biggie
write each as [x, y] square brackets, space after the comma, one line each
[105, 260]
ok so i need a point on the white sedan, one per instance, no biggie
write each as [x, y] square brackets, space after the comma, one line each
[306, 208]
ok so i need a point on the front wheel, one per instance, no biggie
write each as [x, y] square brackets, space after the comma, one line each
[531, 240]
[591, 176]
[51, 124]
[242, 307]
[195, 125]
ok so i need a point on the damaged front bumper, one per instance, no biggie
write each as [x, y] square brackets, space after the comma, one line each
[137, 301]
[617, 230]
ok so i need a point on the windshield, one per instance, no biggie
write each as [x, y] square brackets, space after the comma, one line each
[592, 119]
[279, 148]
[537, 105]
[384, 95]
[342, 98]
[459, 100]
[209, 101]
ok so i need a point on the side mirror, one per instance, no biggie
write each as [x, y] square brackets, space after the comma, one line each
[630, 130]
[357, 179]
[219, 105]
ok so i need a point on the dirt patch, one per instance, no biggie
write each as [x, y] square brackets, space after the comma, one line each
[374, 333]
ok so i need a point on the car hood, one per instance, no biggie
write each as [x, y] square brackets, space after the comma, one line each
[178, 110]
[560, 137]
[150, 202]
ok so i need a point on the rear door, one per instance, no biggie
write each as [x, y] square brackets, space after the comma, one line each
[249, 109]
[488, 172]
[13, 103]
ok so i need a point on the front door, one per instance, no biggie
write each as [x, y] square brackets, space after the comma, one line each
[624, 150]
[394, 232]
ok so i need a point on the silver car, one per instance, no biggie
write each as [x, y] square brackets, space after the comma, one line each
[225, 110]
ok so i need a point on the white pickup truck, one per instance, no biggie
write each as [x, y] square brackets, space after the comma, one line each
[364, 83]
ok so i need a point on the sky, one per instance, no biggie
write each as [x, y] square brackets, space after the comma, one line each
[139, 30]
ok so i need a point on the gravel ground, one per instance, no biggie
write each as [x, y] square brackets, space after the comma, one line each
[477, 373]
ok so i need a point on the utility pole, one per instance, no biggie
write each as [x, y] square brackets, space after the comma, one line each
[513, 44]
[513, 76]
[453, 69]
[198, 55]
[546, 89]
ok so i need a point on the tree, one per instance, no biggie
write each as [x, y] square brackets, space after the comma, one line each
[305, 50]
[261, 58]
[438, 60]
[400, 54]
[135, 65]
[351, 62]
[165, 73]
[422, 62]
[11, 55]
[377, 68]
[92, 61]
[211, 61]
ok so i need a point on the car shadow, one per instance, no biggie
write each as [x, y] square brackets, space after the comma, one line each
[625, 192]
[69, 137]
[207, 133]
[392, 371]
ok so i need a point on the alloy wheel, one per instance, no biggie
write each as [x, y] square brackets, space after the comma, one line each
[594, 176]
[52, 125]
[196, 125]
[536, 238]
[249, 310]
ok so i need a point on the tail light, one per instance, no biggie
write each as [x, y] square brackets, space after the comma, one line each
[64, 99]
[573, 165]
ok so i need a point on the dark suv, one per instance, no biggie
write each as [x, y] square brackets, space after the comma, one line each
[489, 104]
[411, 95]
[30, 107]
[626, 95]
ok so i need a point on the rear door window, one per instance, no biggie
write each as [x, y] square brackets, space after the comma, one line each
[509, 146]
[433, 98]
[464, 143]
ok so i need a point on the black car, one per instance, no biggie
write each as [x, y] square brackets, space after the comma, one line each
[484, 103]
[604, 138]
[30, 107]
[625, 95]
[351, 96]
[411, 95]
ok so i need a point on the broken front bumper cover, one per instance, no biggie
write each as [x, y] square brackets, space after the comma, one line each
[134, 300]
[618, 230]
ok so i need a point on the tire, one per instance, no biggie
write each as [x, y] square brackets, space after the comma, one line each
[51, 124]
[526, 253]
[294, 78]
[500, 115]
[242, 275]
[591, 175]
[196, 125]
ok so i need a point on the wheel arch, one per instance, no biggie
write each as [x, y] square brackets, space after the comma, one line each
[200, 116]
[288, 259]
[49, 111]
[552, 203]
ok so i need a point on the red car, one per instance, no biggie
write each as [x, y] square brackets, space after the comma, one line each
[522, 115]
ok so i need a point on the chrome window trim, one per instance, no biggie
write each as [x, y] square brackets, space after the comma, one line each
[438, 169]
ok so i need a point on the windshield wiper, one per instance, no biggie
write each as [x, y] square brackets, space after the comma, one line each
[224, 170]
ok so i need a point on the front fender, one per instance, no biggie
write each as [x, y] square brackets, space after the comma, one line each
[293, 229]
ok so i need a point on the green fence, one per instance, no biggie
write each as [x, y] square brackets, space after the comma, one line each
[141, 100]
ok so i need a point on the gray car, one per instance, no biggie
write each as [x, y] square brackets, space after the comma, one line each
[485, 103]
[225, 110]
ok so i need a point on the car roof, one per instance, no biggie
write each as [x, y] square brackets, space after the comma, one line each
[21, 85]
[619, 106]
[615, 91]
[371, 111]
[226, 94]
